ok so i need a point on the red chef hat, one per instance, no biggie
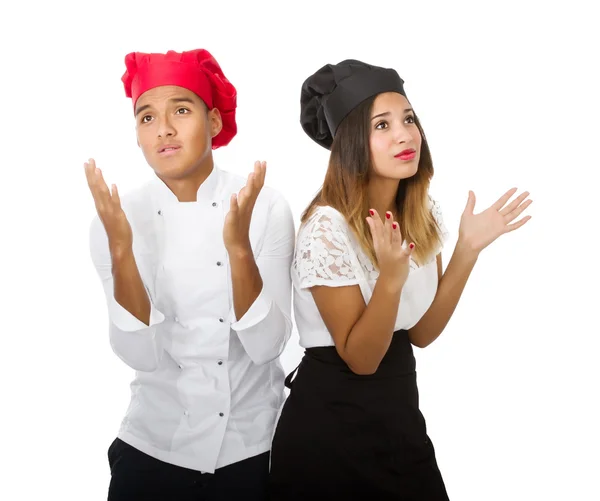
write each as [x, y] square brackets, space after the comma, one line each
[195, 70]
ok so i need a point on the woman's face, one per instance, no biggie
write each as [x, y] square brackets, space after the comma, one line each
[394, 138]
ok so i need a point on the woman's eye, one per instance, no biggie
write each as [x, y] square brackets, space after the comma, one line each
[381, 125]
[182, 111]
[146, 119]
[410, 119]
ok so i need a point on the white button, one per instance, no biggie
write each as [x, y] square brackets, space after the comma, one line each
[187, 413]
[181, 366]
[176, 319]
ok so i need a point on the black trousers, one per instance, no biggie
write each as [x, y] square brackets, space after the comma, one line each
[135, 476]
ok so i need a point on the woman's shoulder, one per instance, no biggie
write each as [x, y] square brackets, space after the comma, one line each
[437, 213]
[434, 205]
[326, 226]
[323, 218]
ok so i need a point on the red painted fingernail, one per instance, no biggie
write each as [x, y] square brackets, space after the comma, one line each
[371, 212]
[412, 246]
[394, 225]
[388, 215]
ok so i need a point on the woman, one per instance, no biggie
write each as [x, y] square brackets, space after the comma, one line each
[368, 284]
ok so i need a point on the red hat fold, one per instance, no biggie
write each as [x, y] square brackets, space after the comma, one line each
[195, 70]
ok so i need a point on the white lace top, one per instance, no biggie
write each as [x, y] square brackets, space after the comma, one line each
[327, 253]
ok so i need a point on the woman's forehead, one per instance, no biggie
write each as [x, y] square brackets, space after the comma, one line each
[390, 101]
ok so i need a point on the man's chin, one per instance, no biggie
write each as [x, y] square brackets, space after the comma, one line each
[174, 170]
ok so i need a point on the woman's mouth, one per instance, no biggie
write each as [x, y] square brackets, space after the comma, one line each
[406, 155]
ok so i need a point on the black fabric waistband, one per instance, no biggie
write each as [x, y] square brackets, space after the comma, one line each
[399, 361]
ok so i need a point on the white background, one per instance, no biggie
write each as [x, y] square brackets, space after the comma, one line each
[508, 96]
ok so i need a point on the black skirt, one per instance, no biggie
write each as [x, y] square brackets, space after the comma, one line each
[345, 436]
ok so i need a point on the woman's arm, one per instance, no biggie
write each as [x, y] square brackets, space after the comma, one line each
[476, 232]
[450, 288]
[362, 333]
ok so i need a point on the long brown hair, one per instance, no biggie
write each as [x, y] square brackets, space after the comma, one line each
[347, 179]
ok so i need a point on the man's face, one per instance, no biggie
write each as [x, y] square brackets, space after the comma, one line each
[175, 130]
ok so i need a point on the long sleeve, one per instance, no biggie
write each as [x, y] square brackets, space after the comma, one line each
[137, 344]
[267, 326]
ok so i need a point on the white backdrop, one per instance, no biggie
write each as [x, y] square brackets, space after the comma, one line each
[508, 96]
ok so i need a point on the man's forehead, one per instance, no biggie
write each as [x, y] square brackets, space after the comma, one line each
[167, 93]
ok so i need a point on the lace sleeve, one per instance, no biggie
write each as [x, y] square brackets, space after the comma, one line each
[436, 212]
[324, 254]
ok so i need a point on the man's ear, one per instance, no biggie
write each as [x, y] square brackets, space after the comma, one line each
[216, 122]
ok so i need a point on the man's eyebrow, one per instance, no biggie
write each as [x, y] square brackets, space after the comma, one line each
[141, 108]
[181, 99]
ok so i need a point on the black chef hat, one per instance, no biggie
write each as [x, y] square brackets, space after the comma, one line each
[331, 93]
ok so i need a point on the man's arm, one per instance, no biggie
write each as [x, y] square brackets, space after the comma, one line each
[132, 316]
[262, 288]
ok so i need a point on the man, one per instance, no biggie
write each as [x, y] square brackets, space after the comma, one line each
[195, 268]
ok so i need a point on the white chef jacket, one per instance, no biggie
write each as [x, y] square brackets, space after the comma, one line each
[328, 254]
[208, 386]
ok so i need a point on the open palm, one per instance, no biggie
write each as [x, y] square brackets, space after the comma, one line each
[478, 231]
[237, 221]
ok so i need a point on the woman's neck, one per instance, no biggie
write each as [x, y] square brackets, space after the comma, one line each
[382, 195]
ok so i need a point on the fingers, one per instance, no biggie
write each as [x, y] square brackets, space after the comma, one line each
[376, 226]
[255, 182]
[387, 236]
[514, 204]
[518, 224]
[385, 231]
[95, 178]
[89, 168]
[397, 240]
[91, 174]
[504, 198]
[233, 203]
[260, 172]
[396, 235]
[250, 182]
[515, 209]
[97, 185]
[518, 211]
[470, 207]
[387, 227]
[116, 199]
[256, 179]
[102, 188]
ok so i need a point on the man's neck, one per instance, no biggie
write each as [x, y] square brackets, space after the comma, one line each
[186, 188]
